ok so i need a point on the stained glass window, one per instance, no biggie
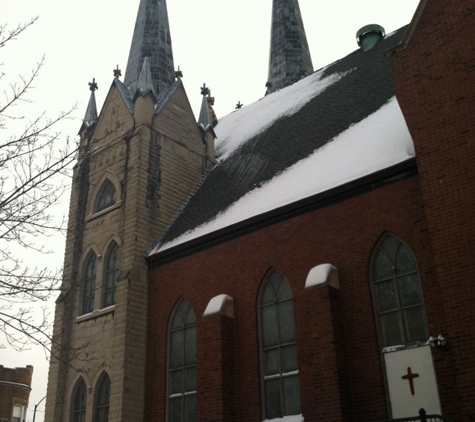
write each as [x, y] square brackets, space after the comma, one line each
[111, 274]
[278, 348]
[182, 364]
[397, 293]
[89, 283]
[106, 196]
[79, 402]
[102, 399]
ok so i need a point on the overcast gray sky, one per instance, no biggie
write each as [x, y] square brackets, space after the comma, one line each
[223, 43]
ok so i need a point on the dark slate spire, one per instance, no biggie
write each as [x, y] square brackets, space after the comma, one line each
[289, 54]
[207, 120]
[91, 112]
[151, 39]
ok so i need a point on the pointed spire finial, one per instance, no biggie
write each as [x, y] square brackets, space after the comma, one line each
[178, 73]
[204, 90]
[289, 56]
[93, 85]
[207, 120]
[117, 72]
[145, 81]
[239, 105]
[91, 111]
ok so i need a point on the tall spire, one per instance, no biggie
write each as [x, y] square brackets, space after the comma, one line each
[289, 54]
[151, 39]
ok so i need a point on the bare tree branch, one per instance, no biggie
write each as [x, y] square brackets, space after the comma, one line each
[33, 163]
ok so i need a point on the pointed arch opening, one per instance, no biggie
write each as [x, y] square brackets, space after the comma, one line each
[280, 382]
[397, 293]
[88, 283]
[106, 196]
[79, 401]
[111, 273]
[181, 385]
[102, 398]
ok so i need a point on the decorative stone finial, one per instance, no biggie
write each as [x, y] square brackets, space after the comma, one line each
[239, 105]
[93, 85]
[117, 72]
[178, 73]
[204, 90]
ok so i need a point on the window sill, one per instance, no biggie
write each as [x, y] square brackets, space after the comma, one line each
[96, 313]
[101, 213]
[400, 347]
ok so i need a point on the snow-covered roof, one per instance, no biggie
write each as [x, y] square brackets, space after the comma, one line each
[338, 125]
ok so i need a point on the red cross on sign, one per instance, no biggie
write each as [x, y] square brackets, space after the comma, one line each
[410, 377]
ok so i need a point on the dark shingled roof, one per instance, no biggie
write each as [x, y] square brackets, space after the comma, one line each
[365, 88]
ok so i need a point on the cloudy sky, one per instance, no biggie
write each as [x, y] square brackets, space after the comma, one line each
[223, 43]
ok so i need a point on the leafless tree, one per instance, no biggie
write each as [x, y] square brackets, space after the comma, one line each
[34, 161]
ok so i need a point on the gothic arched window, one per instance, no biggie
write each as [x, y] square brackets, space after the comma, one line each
[101, 408]
[111, 273]
[397, 294]
[182, 364]
[278, 348]
[79, 403]
[106, 196]
[88, 283]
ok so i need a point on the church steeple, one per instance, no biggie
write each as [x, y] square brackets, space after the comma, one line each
[289, 54]
[151, 39]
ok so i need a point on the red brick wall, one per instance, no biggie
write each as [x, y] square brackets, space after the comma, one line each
[15, 387]
[339, 360]
[435, 84]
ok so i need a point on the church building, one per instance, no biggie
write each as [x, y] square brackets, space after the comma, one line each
[309, 257]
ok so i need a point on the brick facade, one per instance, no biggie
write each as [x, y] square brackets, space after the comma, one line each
[155, 161]
[341, 374]
[15, 387]
[433, 74]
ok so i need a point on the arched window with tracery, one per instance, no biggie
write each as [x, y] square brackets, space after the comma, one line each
[397, 294]
[79, 402]
[106, 196]
[101, 408]
[89, 283]
[278, 348]
[181, 389]
[111, 272]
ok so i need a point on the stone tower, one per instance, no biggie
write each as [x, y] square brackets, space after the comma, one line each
[139, 160]
[290, 58]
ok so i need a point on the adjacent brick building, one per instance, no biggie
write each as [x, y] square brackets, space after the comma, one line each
[318, 266]
[15, 387]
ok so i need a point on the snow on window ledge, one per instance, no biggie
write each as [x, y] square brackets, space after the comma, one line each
[322, 275]
[292, 418]
[220, 305]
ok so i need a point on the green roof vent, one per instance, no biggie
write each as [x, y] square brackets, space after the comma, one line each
[369, 35]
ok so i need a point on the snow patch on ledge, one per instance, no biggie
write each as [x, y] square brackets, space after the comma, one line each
[293, 418]
[323, 274]
[221, 305]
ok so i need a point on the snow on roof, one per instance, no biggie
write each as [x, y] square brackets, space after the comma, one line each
[238, 127]
[375, 143]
